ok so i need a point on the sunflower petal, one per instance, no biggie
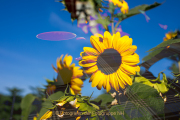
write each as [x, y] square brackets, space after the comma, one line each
[115, 40]
[72, 91]
[131, 59]
[92, 77]
[102, 79]
[90, 58]
[107, 40]
[54, 69]
[122, 81]
[58, 62]
[68, 60]
[97, 77]
[90, 51]
[129, 50]
[91, 69]
[47, 115]
[75, 87]
[77, 81]
[77, 73]
[108, 87]
[86, 64]
[97, 44]
[123, 43]
[114, 82]
[105, 81]
[131, 70]
[82, 53]
[125, 77]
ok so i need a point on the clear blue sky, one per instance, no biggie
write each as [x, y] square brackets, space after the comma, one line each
[25, 60]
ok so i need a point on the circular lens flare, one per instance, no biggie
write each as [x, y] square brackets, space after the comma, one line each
[56, 35]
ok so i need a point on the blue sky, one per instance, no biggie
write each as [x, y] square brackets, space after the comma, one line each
[26, 60]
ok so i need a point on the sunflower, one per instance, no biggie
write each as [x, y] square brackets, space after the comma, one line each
[111, 61]
[68, 73]
[124, 7]
[116, 2]
[169, 36]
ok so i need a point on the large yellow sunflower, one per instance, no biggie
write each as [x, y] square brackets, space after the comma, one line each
[111, 61]
[68, 73]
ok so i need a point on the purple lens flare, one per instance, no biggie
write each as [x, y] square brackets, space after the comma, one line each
[163, 26]
[143, 12]
[79, 58]
[56, 36]
[119, 29]
[80, 38]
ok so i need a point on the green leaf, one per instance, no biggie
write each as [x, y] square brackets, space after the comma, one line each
[144, 7]
[69, 99]
[165, 43]
[106, 98]
[95, 106]
[147, 95]
[56, 95]
[48, 103]
[85, 107]
[160, 85]
[26, 104]
[104, 22]
[152, 54]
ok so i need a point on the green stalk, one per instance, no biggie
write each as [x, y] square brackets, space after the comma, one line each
[112, 26]
[117, 25]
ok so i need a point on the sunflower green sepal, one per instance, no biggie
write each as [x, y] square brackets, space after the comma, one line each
[161, 86]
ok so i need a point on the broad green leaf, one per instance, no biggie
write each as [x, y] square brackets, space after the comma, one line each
[146, 95]
[26, 104]
[48, 103]
[56, 95]
[144, 7]
[117, 111]
[160, 85]
[106, 98]
[164, 44]
[85, 107]
[152, 54]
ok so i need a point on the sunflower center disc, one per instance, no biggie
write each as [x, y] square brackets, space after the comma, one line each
[109, 61]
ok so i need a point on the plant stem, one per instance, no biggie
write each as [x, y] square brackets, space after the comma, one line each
[112, 26]
[117, 25]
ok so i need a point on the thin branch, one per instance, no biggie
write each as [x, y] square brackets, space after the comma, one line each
[117, 25]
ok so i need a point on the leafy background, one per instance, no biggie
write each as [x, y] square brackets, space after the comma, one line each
[26, 60]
